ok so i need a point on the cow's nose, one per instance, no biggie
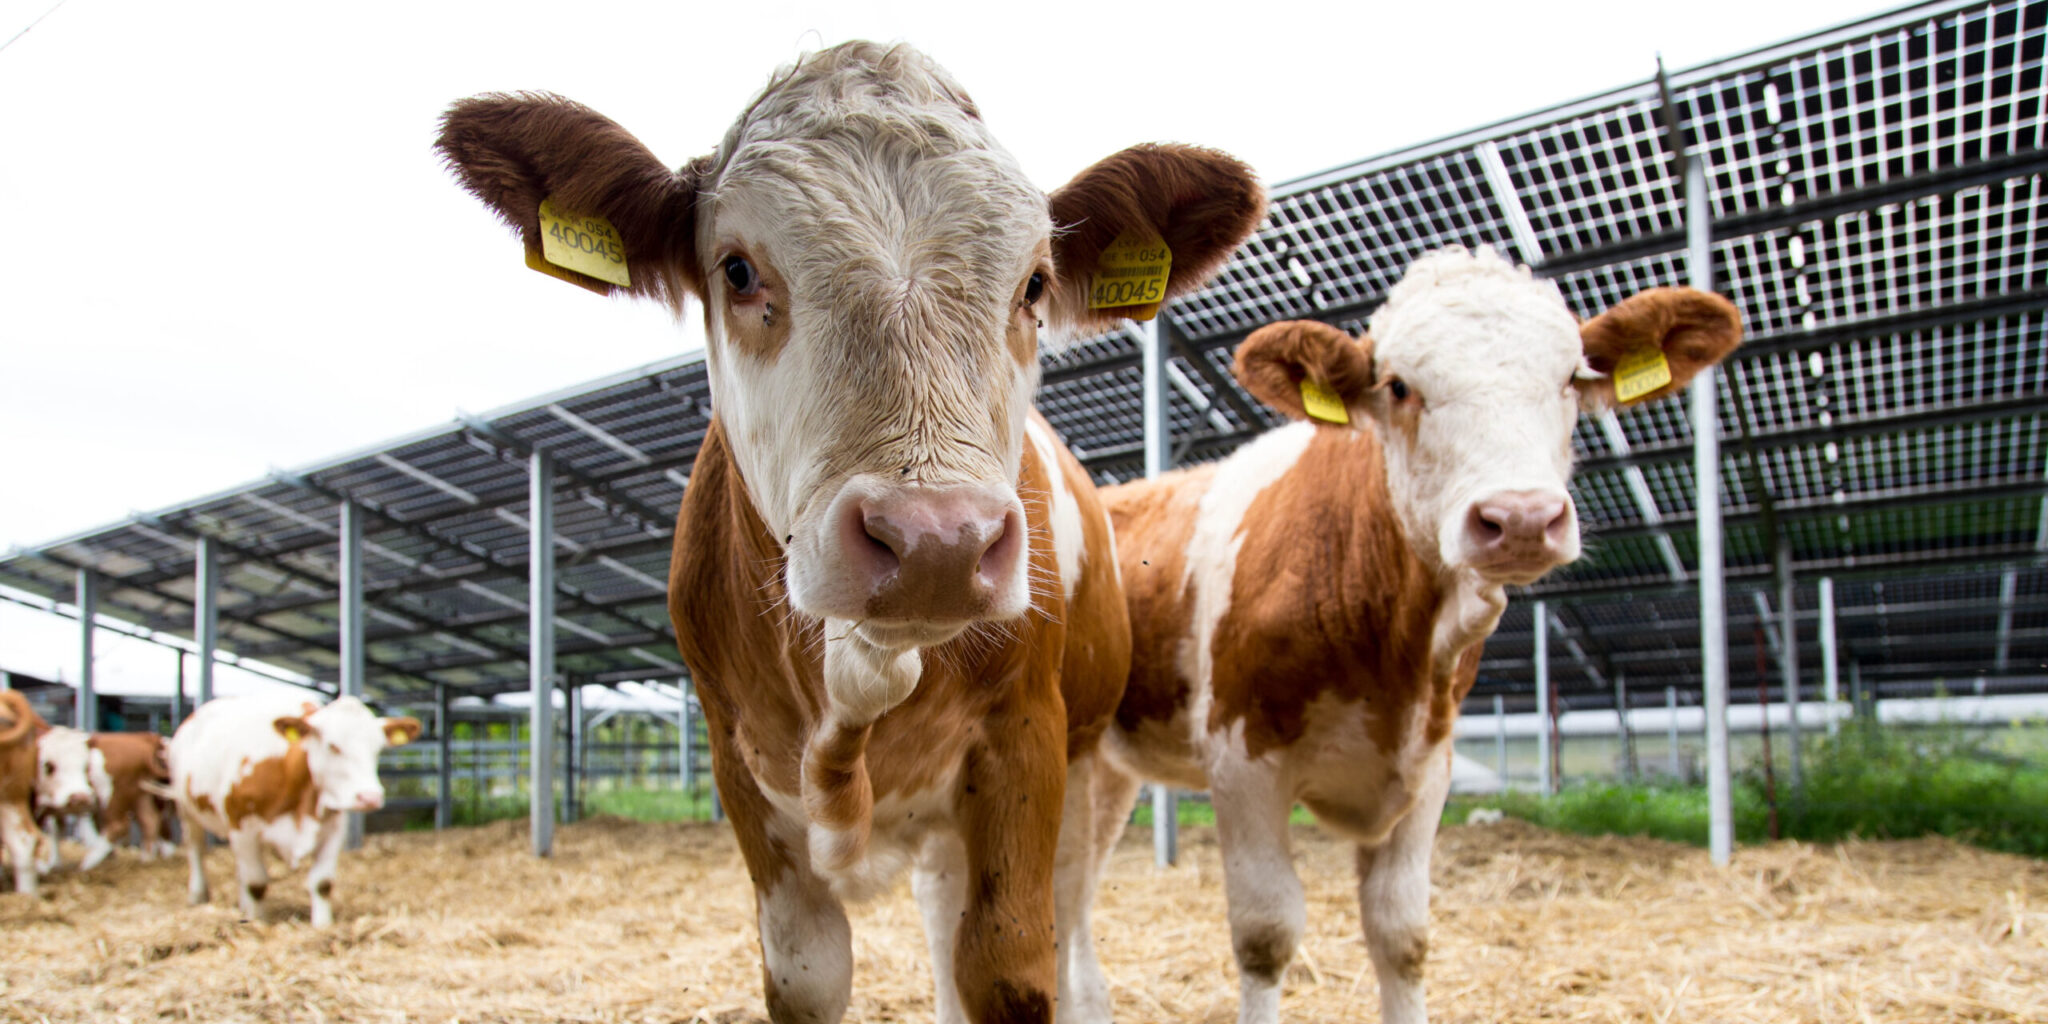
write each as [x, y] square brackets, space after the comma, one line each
[1518, 527]
[932, 553]
[78, 803]
[369, 801]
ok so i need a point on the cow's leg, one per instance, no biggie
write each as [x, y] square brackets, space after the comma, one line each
[320, 878]
[1267, 909]
[806, 948]
[1393, 899]
[252, 876]
[1004, 956]
[1116, 792]
[1083, 991]
[148, 816]
[940, 882]
[47, 853]
[97, 845]
[196, 890]
[19, 833]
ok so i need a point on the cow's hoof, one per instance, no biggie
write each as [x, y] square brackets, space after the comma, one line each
[197, 897]
[94, 859]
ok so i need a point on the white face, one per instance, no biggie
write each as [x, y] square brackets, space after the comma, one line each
[61, 782]
[1479, 449]
[875, 264]
[341, 755]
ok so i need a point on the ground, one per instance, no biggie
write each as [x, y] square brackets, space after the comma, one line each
[637, 922]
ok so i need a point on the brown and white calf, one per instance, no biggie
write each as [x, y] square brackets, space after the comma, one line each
[895, 589]
[1307, 614]
[277, 773]
[19, 837]
[98, 779]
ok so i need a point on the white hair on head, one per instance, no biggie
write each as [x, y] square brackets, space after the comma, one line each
[1457, 278]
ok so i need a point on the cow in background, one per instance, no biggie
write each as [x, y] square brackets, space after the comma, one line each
[98, 778]
[20, 726]
[893, 585]
[276, 773]
[1307, 615]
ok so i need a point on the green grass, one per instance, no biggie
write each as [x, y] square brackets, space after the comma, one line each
[1871, 781]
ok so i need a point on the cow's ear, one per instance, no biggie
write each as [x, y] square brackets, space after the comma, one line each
[293, 728]
[514, 150]
[1306, 369]
[1201, 203]
[1692, 329]
[400, 731]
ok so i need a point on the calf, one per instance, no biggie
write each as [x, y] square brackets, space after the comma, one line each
[19, 728]
[277, 773]
[98, 778]
[1308, 614]
[895, 589]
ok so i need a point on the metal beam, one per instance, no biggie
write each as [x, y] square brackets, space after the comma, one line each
[444, 760]
[1830, 665]
[351, 649]
[86, 711]
[206, 611]
[1546, 758]
[1706, 432]
[540, 659]
[1788, 658]
[1165, 813]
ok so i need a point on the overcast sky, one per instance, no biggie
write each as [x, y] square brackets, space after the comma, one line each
[229, 245]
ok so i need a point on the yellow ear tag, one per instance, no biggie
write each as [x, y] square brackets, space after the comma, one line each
[1132, 272]
[396, 737]
[291, 734]
[585, 244]
[1322, 403]
[1639, 373]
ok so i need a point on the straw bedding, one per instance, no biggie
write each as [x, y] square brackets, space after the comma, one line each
[637, 922]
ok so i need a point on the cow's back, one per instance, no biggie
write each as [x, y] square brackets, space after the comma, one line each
[221, 744]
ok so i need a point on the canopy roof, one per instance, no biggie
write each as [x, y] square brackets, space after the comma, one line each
[1877, 215]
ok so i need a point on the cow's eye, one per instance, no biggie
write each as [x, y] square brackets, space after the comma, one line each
[49, 769]
[1034, 289]
[1398, 388]
[741, 275]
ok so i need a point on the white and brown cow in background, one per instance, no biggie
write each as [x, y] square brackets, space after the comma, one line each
[19, 837]
[1308, 614]
[276, 773]
[97, 778]
[894, 587]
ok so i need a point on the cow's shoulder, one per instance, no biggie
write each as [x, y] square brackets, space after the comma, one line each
[1328, 602]
[272, 788]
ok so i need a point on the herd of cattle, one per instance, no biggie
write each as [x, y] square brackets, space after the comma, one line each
[922, 637]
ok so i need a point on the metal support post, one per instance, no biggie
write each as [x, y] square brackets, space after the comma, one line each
[1671, 730]
[444, 743]
[351, 614]
[1628, 736]
[1788, 657]
[540, 659]
[86, 714]
[1500, 739]
[1546, 768]
[1165, 816]
[206, 612]
[1706, 459]
[1830, 665]
[687, 768]
[178, 696]
[574, 762]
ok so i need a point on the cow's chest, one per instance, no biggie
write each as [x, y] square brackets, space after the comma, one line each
[1358, 769]
[902, 823]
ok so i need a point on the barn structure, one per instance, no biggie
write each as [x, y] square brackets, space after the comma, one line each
[1862, 490]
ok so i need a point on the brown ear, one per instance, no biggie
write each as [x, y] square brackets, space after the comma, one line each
[514, 150]
[293, 728]
[1273, 362]
[1694, 330]
[400, 731]
[1201, 202]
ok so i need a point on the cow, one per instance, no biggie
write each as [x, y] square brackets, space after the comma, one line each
[893, 586]
[1307, 614]
[20, 726]
[97, 778]
[273, 772]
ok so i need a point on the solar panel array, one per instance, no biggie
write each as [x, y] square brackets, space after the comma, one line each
[1877, 215]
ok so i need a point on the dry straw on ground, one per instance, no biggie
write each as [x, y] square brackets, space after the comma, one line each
[632, 922]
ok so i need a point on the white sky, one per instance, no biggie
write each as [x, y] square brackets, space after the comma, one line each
[229, 245]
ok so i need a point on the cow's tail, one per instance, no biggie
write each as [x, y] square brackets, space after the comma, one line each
[839, 798]
[159, 790]
[17, 718]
